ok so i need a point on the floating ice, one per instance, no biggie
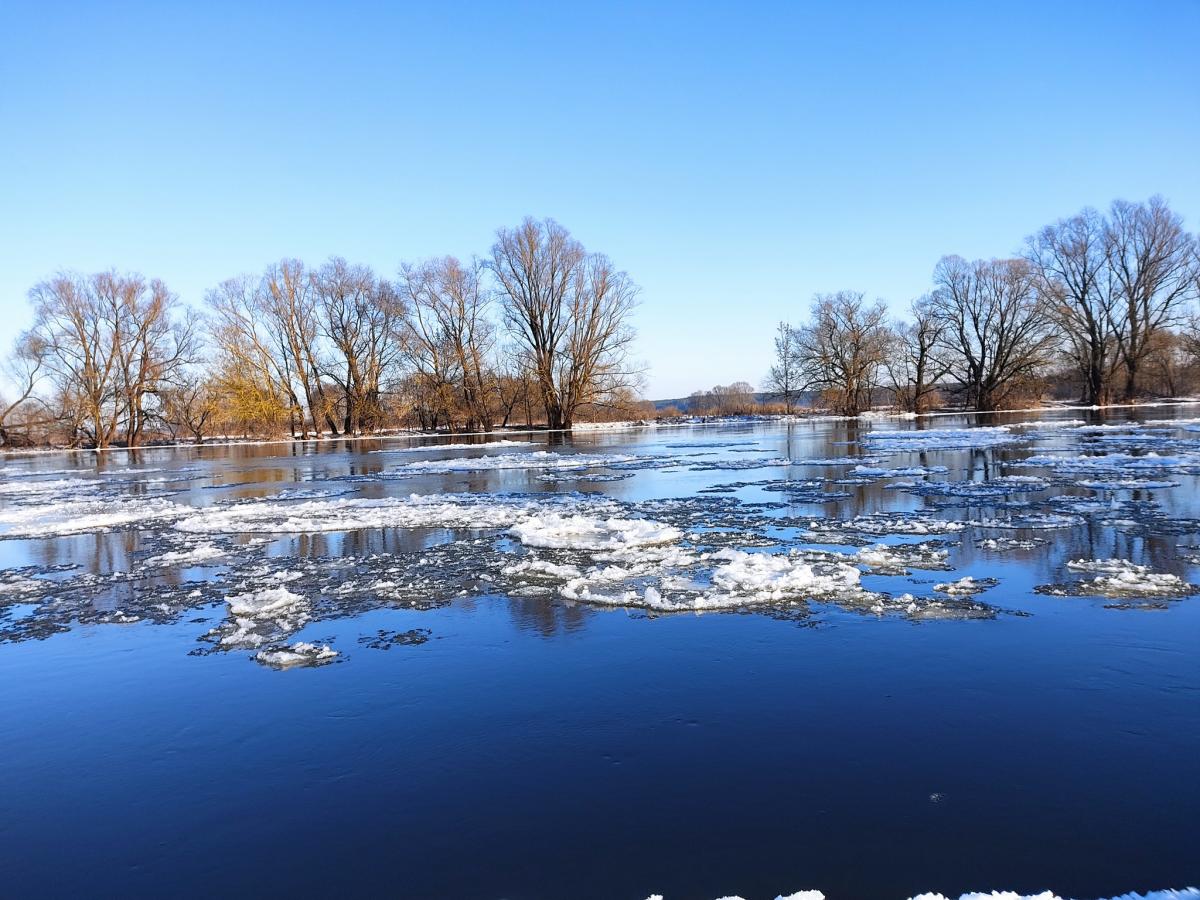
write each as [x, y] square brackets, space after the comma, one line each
[467, 511]
[1036, 521]
[588, 533]
[256, 615]
[837, 461]
[481, 445]
[762, 577]
[1006, 544]
[201, 553]
[965, 587]
[876, 472]
[83, 516]
[538, 459]
[1117, 462]
[884, 523]
[942, 439]
[897, 559]
[1120, 578]
[1127, 484]
[300, 653]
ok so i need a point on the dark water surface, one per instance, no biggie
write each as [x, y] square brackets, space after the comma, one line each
[481, 735]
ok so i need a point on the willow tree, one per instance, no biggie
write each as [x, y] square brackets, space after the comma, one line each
[569, 311]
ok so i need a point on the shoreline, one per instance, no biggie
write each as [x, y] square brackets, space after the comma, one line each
[596, 427]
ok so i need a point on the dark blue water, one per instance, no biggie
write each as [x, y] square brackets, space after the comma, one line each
[536, 748]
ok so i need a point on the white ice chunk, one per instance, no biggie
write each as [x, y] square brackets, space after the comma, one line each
[553, 529]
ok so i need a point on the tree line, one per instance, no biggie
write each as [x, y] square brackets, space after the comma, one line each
[538, 330]
[1100, 302]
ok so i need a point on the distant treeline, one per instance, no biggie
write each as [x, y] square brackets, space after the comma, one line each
[1098, 308]
[537, 333]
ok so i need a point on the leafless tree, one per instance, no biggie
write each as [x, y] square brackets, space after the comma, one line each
[449, 305]
[24, 370]
[110, 341]
[1075, 283]
[916, 361]
[191, 404]
[842, 348]
[361, 317]
[288, 303]
[1152, 260]
[995, 331]
[570, 312]
[784, 379]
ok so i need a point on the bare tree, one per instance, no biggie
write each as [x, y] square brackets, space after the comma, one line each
[110, 341]
[24, 369]
[1074, 281]
[570, 312]
[191, 404]
[784, 379]
[253, 365]
[916, 360]
[842, 348]
[996, 333]
[155, 346]
[513, 385]
[287, 301]
[273, 326]
[1153, 267]
[361, 317]
[449, 317]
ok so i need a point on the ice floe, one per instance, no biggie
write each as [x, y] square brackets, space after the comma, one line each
[1120, 578]
[589, 533]
[466, 511]
[942, 439]
[82, 516]
[537, 459]
[300, 653]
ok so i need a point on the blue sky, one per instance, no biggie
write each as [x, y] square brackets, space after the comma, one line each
[734, 158]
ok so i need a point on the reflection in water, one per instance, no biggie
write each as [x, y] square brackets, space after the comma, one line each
[690, 755]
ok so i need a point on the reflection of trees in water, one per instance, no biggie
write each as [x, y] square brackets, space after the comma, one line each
[96, 553]
[364, 542]
[548, 616]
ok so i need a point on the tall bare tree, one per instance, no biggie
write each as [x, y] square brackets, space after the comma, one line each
[842, 347]
[916, 361]
[1153, 267]
[449, 305]
[1075, 283]
[110, 340]
[995, 331]
[288, 302]
[784, 379]
[570, 312]
[361, 317]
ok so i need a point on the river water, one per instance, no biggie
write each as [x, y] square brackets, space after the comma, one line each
[871, 658]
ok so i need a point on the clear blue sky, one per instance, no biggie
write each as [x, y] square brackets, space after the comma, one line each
[734, 158]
